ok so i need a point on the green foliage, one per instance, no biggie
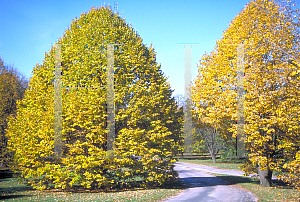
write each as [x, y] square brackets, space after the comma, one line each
[229, 149]
[147, 121]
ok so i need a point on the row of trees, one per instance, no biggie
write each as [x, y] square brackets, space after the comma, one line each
[272, 135]
[12, 88]
[148, 120]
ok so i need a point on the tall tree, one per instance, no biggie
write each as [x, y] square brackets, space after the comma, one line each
[290, 15]
[271, 105]
[147, 122]
[209, 115]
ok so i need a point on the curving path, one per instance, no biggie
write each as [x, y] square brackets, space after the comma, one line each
[204, 187]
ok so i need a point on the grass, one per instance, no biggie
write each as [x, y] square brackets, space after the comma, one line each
[279, 192]
[263, 193]
[220, 163]
[13, 190]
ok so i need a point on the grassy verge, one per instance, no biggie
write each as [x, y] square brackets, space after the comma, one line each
[225, 164]
[13, 190]
[263, 193]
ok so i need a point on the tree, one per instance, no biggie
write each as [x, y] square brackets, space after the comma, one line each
[212, 140]
[271, 104]
[210, 122]
[12, 87]
[147, 121]
[194, 141]
[291, 16]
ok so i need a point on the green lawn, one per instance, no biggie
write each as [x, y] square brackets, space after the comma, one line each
[263, 193]
[227, 164]
[12, 190]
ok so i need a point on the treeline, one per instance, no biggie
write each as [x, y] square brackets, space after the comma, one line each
[12, 87]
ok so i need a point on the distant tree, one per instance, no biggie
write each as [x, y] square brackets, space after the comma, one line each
[12, 88]
[209, 136]
[179, 99]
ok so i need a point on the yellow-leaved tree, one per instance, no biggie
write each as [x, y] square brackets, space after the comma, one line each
[12, 88]
[271, 105]
[147, 122]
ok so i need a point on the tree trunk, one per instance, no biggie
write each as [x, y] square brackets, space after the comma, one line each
[213, 156]
[265, 176]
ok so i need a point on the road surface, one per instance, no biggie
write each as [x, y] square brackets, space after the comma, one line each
[204, 187]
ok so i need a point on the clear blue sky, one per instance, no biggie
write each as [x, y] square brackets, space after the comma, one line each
[26, 27]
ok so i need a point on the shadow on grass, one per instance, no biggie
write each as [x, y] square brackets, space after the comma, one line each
[238, 179]
[11, 186]
[194, 157]
[13, 196]
[5, 174]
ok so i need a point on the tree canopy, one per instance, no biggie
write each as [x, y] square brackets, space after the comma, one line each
[147, 122]
[12, 88]
[271, 96]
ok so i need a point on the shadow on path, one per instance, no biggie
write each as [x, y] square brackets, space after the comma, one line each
[205, 187]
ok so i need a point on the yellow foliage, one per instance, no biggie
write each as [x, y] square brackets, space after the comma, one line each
[271, 104]
[147, 121]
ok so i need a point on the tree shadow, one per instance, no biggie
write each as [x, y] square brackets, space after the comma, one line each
[232, 180]
[206, 181]
[239, 179]
[192, 182]
[15, 188]
[194, 157]
[5, 174]
[12, 188]
[13, 196]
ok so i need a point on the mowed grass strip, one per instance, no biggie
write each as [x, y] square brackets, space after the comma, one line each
[220, 163]
[13, 190]
[275, 193]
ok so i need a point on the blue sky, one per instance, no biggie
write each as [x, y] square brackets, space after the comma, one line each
[26, 27]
